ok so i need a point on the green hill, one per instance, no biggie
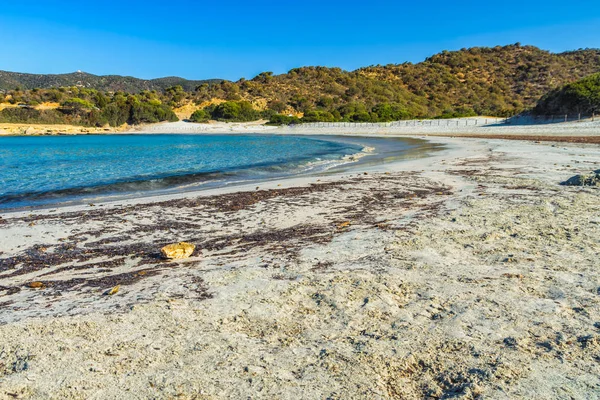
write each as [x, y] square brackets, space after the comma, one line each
[581, 97]
[498, 81]
[485, 81]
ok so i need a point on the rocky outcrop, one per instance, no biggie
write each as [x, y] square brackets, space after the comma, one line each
[592, 179]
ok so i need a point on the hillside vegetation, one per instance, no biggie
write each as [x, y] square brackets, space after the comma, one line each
[86, 107]
[499, 81]
[581, 97]
[113, 83]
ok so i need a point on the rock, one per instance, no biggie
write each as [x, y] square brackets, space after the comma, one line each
[178, 250]
[36, 285]
[592, 179]
[112, 291]
[20, 365]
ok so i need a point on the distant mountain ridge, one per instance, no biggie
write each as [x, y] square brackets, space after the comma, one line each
[111, 83]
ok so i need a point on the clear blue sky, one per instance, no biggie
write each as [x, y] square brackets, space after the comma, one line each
[232, 39]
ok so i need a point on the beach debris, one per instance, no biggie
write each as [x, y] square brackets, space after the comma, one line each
[511, 275]
[178, 250]
[592, 179]
[21, 363]
[343, 225]
[112, 291]
[36, 285]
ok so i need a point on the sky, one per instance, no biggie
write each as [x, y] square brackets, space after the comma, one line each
[231, 39]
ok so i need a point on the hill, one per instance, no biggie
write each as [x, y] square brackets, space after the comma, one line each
[581, 97]
[498, 81]
[112, 83]
[486, 81]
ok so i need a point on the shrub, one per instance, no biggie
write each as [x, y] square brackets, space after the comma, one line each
[278, 119]
[200, 116]
[235, 111]
[318, 116]
[582, 96]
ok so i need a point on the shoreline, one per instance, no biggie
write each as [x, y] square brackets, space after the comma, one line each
[373, 151]
[471, 272]
[466, 127]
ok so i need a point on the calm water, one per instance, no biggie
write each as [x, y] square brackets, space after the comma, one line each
[38, 171]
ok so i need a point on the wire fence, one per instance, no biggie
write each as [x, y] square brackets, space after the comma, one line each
[406, 123]
[458, 122]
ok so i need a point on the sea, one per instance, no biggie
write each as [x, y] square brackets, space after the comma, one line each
[39, 171]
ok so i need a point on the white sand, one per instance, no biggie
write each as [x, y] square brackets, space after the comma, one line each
[471, 126]
[470, 274]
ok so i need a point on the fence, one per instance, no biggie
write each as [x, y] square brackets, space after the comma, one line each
[406, 123]
[457, 122]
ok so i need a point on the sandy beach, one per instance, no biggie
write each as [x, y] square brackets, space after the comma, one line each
[471, 274]
[464, 127]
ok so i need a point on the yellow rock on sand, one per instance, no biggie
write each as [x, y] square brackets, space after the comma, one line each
[178, 250]
[114, 290]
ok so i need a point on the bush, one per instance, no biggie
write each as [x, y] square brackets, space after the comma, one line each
[77, 104]
[146, 113]
[32, 116]
[278, 119]
[582, 96]
[387, 112]
[114, 115]
[235, 111]
[318, 116]
[459, 112]
[200, 116]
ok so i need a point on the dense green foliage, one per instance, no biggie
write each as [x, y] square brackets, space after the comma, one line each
[238, 111]
[31, 116]
[87, 107]
[278, 119]
[582, 97]
[200, 116]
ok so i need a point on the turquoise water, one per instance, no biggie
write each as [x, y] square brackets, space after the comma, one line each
[36, 171]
